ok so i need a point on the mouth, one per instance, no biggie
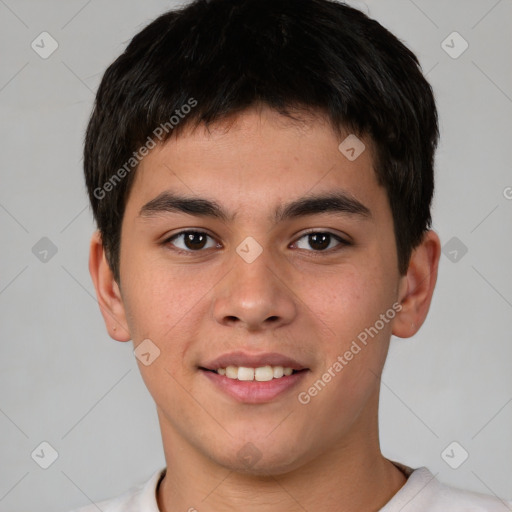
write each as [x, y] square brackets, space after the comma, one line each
[259, 374]
[254, 379]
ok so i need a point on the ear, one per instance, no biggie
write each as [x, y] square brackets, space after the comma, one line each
[107, 291]
[417, 286]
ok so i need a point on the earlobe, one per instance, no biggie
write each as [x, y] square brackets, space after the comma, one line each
[107, 291]
[417, 286]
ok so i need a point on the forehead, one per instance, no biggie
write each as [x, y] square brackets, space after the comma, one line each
[259, 158]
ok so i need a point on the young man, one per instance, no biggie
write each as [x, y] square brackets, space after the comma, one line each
[261, 173]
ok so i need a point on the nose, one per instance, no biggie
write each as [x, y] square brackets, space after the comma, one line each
[255, 296]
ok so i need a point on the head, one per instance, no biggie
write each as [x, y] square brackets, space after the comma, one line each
[258, 122]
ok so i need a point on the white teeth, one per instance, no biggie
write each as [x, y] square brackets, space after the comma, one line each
[263, 373]
[260, 374]
[278, 372]
[245, 373]
[231, 372]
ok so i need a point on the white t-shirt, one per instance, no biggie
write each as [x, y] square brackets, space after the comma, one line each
[421, 493]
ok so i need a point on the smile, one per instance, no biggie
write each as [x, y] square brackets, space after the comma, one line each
[254, 385]
[260, 374]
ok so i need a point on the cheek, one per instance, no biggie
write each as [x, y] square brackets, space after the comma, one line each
[161, 306]
[346, 308]
[158, 300]
[345, 301]
[353, 350]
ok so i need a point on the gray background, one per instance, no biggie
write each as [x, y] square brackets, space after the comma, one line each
[64, 381]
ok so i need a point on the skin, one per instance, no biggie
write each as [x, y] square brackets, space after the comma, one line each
[293, 299]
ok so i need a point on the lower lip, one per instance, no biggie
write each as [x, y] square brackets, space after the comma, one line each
[253, 391]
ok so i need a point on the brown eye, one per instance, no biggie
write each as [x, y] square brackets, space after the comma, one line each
[194, 240]
[320, 241]
[191, 241]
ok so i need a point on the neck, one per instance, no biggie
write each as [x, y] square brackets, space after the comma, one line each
[352, 476]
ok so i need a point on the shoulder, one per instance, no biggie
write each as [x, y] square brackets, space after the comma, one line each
[458, 500]
[423, 492]
[139, 498]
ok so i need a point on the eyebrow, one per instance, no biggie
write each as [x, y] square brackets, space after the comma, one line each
[337, 202]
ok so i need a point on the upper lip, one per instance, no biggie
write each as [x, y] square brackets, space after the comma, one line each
[240, 358]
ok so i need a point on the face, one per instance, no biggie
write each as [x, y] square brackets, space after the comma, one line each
[286, 257]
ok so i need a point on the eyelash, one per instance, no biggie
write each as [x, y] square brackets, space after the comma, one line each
[342, 241]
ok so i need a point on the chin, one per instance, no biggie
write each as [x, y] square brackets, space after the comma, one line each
[260, 456]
